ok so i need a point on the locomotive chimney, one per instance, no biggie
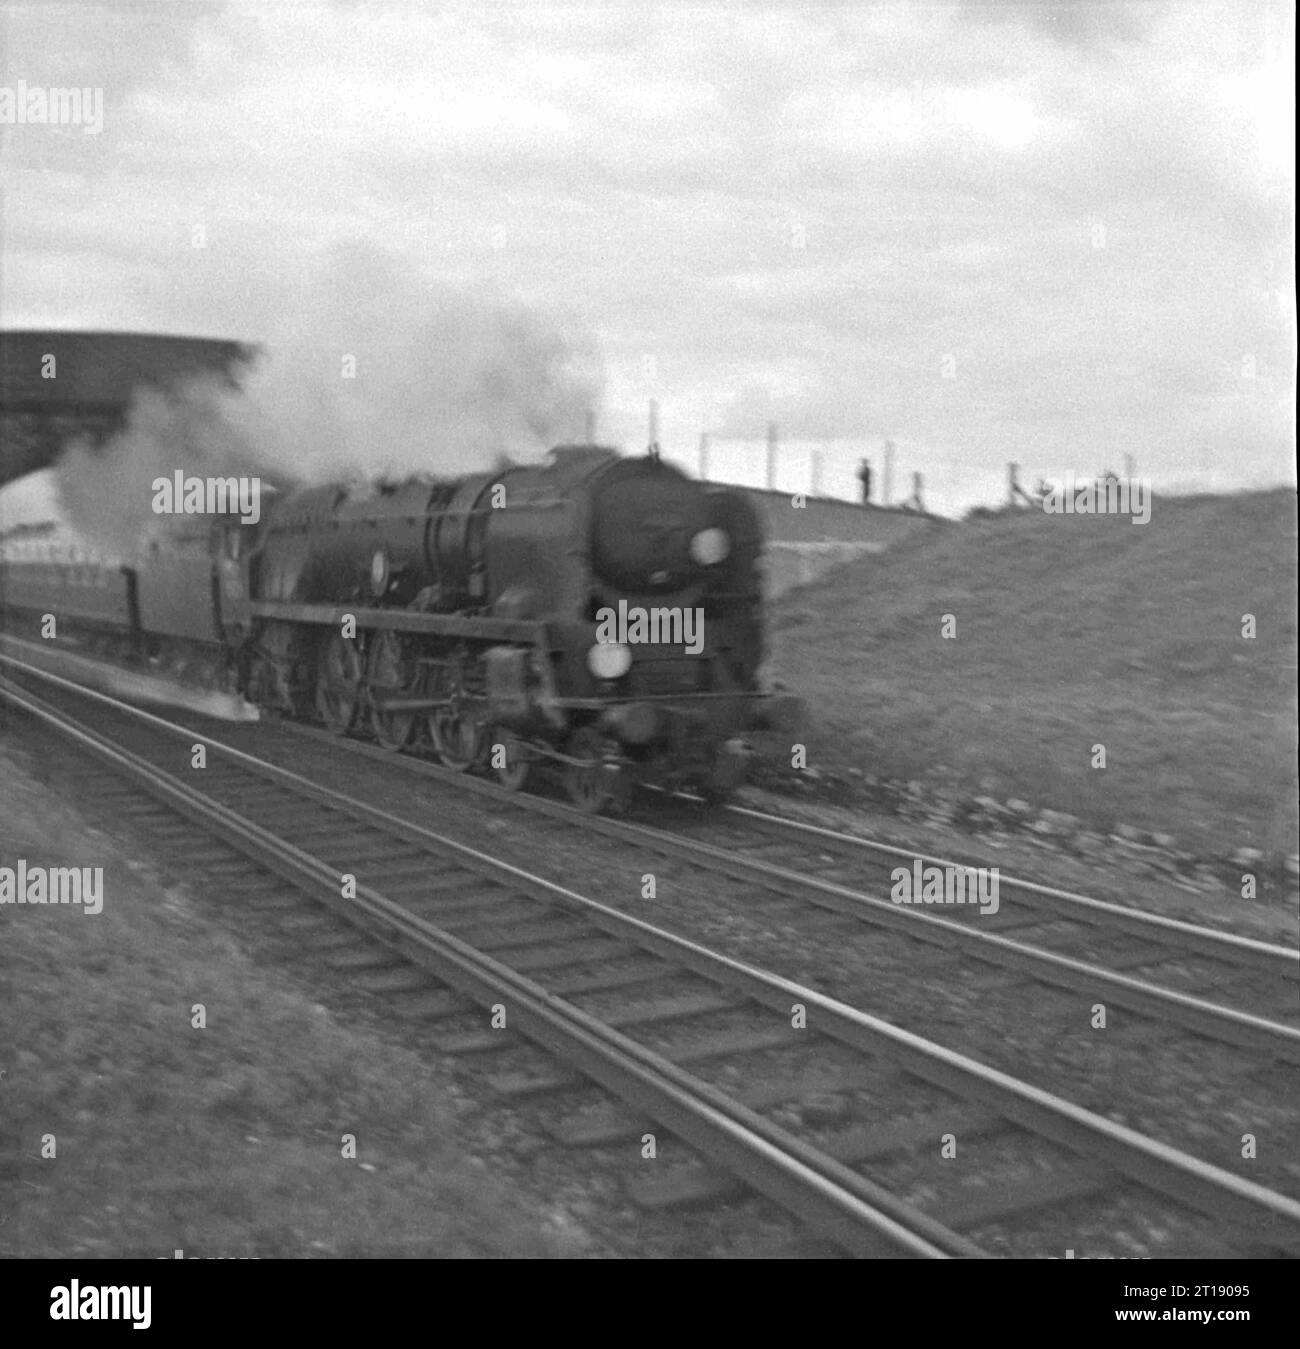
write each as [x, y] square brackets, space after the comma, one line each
[653, 451]
[771, 456]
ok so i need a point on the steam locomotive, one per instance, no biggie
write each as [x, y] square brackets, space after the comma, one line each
[599, 614]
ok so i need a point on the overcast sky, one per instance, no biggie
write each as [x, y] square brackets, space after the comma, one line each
[1050, 233]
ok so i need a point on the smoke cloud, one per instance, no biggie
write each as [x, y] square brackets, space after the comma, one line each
[370, 373]
[381, 375]
[106, 492]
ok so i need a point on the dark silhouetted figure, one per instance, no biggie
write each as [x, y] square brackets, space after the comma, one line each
[864, 477]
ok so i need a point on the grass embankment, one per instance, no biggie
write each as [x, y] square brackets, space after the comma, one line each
[1071, 631]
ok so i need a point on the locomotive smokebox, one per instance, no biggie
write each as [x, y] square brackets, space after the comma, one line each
[647, 517]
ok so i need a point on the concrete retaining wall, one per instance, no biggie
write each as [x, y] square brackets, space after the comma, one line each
[787, 565]
[804, 542]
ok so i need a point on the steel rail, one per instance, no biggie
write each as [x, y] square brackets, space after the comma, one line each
[1209, 941]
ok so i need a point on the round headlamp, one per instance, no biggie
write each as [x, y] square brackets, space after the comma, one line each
[710, 546]
[609, 660]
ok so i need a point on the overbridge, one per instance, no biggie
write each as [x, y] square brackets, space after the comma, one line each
[55, 386]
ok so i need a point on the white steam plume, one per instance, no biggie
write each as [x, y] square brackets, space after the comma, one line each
[372, 373]
[446, 381]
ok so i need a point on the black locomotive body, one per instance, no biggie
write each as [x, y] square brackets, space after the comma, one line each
[599, 613]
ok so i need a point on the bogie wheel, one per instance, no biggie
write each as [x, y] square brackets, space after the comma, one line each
[727, 773]
[457, 740]
[389, 676]
[510, 760]
[339, 681]
[267, 690]
[589, 785]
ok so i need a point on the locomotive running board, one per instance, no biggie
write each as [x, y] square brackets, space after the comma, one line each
[403, 620]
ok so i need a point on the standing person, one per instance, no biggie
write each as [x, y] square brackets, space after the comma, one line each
[864, 477]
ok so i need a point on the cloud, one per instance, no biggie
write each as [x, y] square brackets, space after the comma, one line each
[1089, 25]
[1083, 209]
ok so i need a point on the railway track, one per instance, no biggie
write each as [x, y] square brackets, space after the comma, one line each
[836, 1115]
[1226, 986]
[1220, 985]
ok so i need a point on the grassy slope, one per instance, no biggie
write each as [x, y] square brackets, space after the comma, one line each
[1071, 630]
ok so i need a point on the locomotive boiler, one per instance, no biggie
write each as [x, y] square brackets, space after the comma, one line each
[600, 613]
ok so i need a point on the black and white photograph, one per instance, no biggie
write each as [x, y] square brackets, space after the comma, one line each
[654, 631]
